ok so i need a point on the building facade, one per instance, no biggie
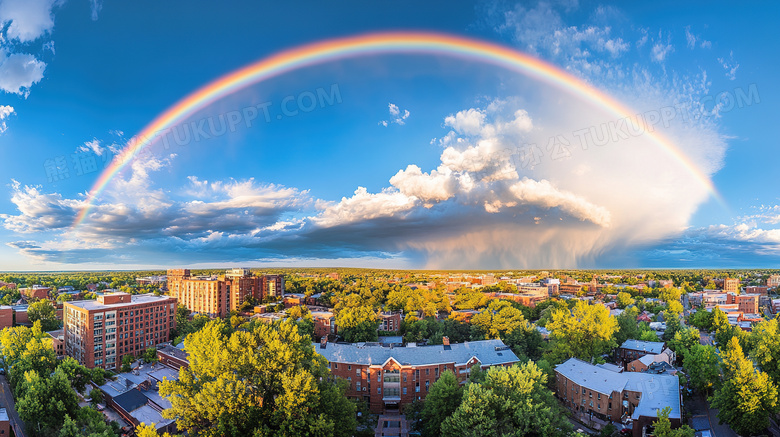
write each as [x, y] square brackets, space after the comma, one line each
[217, 296]
[597, 395]
[98, 333]
[731, 285]
[389, 378]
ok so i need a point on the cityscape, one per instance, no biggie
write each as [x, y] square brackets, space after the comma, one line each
[458, 218]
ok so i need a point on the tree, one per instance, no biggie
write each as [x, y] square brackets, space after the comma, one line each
[144, 430]
[683, 341]
[499, 319]
[672, 324]
[96, 396]
[442, 400]
[268, 381]
[765, 348]
[702, 363]
[624, 299]
[663, 427]
[702, 319]
[127, 362]
[45, 401]
[77, 374]
[585, 332]
[88, 422]
[358, 323]
[747, 397]
[44, 311]
[511, 401]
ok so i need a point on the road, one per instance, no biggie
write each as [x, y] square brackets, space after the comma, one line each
[7, 398]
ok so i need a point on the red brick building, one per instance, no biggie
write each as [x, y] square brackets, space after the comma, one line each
[746, 303]
[597, 395]
[217, 296]
[390, 321]
[632, 350]
[173, 357]
[324, 324]
[35, 292]
[98, 333]
[6, 316]
[389, 378]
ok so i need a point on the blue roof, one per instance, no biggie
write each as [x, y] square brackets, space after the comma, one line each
[488, 352]
[653, 347]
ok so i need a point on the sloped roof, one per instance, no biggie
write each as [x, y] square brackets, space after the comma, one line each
[653, 347]
[488, 352]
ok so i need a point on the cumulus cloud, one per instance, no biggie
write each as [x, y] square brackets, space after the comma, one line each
[5, 112]
[396, 115]
[19, 71]
[29, 19]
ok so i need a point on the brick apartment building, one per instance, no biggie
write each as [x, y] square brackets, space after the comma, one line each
[746, 303]
[597, 395]
[324, 323]
[731, 285]
[217, 296]
[98, 333]
[389, 378]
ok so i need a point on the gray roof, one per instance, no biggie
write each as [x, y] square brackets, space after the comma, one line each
[488, 352]
[653, 347]
[135, 299]
[3, 414]
[658, 391]
[131, 400]
[175, 352]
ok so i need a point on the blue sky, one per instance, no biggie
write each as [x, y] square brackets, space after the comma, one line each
[406, 168]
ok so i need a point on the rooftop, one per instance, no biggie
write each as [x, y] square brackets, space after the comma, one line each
[658, 391]
[3, 414]
[134, 300]
[653, 347]
[488, 352]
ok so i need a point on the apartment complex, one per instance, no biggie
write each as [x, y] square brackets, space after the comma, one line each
[600, 394]
[389, 378]
[98, 333]
[731, 285]
[217, 296]
[773, 281]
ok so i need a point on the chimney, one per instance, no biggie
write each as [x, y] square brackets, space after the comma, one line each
[445, 341]
[323, 342]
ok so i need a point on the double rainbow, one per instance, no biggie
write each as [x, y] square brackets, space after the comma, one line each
[373, 44]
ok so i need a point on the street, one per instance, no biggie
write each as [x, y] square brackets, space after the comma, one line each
[7, 398]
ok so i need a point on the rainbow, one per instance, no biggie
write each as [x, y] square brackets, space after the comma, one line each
[374, 44]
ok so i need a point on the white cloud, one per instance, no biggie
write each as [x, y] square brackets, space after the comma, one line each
[95, 7]
[396, 115]
[92, 146]
[660, 51]
[19, 71]
[29, 19]
[692, 39]
[730, 65]
[5, 112]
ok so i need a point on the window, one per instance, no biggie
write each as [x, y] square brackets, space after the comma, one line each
[417, 387]
[404, 390]
[427, 372]
[379, 390]
[599, 397]
[427, 385]
[357, 385]
[335, 365]
[349, 367]
[437, 371]
[357, 372]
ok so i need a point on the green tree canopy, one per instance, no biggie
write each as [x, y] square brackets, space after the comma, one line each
[585, 332]
[663, 427]
[511, 401]
[747, 397]
[268, 381]
[440, 403]
[45, 312]
[624, 299]
[702, 363]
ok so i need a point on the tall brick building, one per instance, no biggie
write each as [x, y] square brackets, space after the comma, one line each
[217, 296]
[98, 333]
[389, 378]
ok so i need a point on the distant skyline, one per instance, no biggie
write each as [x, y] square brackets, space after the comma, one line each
[412, 161]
